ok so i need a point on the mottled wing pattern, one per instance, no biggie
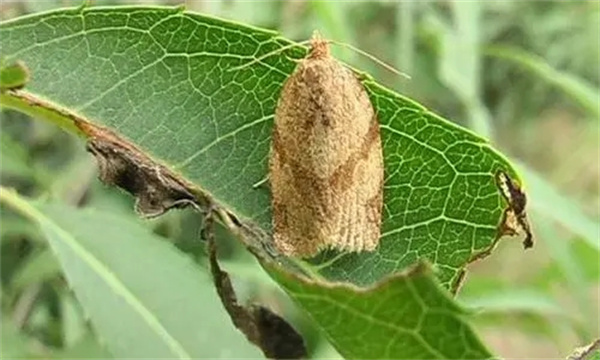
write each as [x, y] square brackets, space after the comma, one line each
[326, 164]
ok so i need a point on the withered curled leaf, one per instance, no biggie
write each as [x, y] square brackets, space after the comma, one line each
[514, 218]
[262, 327]
[156, 188]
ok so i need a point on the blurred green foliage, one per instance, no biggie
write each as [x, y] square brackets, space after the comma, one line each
[524, 74]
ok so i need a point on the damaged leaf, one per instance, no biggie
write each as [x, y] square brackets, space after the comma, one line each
[262, 327]
[588, 352]
[172, 123]
[181, 102]
[405, 316]
[121, 164]
[514, 218]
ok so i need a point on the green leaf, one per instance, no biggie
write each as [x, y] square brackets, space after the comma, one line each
[460, 61]
[144, 297]
[499, 304]
[38, 267]
[589, 259]
[15, 228]
[579, 90]
[594, 355]
[406, 316]
[15, 345]
[14, 158]
[514, 300]
[74, 328]
[161, 77]
[570, 264]
[86, 348]
[13, 75]
[546, 200]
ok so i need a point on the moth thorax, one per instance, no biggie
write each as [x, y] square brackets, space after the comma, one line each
[319, 48]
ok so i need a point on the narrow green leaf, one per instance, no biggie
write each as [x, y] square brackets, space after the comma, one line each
[86, 348]
[74, 328]
[579, 90]
[407, 316]
[546, 200]
[589, 259]
[14, 158]
[144, 297]
[162, 78]
[15, 227]
[15, 345]
[572, 268]
[460, 62]
[514, 300]
[38, 267]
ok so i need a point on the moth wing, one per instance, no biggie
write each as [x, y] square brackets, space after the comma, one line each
[358, 223]
[296, 209]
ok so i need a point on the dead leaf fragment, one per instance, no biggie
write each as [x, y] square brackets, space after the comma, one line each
[156, 188]
[585, 352]
[262, 327]
[514, 218]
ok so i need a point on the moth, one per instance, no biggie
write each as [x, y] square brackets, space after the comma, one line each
[326, 161]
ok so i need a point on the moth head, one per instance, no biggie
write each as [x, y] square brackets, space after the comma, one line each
[319, 47]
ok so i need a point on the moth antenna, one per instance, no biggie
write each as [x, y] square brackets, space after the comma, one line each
[373, 58]
[260, 183]
[262, 57]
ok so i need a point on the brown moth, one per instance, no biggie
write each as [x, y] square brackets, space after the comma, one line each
[326, 161]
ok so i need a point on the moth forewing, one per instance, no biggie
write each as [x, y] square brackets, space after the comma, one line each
[326, 162]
